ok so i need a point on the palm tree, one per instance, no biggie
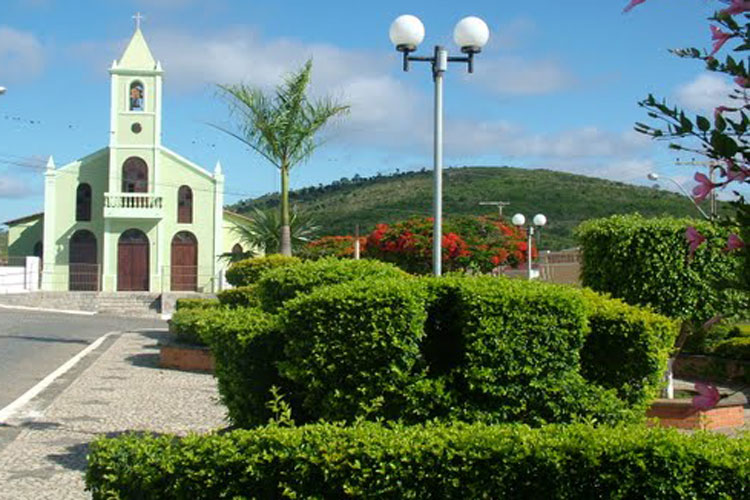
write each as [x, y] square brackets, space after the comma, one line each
[281, 128]
[261, 231]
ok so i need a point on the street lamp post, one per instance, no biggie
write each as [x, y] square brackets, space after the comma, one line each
[2, 90]
[539, 221]
[653, 176]
[471, 34]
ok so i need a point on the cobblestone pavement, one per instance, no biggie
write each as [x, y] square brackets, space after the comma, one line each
[122, 390]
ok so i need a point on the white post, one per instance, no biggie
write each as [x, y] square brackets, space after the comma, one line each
[32, 274]
[670, 379]
[356, 243]
[440, 66]
[528, 250]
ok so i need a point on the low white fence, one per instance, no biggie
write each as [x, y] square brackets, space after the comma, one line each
[19, 275]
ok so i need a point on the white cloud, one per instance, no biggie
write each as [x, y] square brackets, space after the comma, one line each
[521, 76]
[705, 93]
[21, 55]
[11, 187]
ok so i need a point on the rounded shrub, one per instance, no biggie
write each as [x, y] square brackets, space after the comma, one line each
[280, 285]
[243, 296]
[246, 344]
[196, 304]
[354, 349]
[247, 272]
[189, 325]
[647, 262]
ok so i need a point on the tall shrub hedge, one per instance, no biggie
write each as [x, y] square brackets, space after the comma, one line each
[431, 462]
[280, 285]
[474, 349]
[646, 262]
[247, 272]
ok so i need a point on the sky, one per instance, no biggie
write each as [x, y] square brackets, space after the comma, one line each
[557, 86]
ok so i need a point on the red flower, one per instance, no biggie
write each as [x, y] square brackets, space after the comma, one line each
[708, 396]
[734, 242]
[703, 188]
[695, 239]
[736, 7]
[719, 37]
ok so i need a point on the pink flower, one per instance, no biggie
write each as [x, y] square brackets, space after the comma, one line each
[632, 4]
[734, 242]
[721, 109]
[736, 172]
[719, 37]
[694, 238]
[742, 81]
[703, 188]
[708, 396]
[736, 7]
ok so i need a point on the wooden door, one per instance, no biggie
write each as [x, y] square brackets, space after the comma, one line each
[184, 266]
[83, 267]
[133, 262]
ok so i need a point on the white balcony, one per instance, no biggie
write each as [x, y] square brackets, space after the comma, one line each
[133, 206]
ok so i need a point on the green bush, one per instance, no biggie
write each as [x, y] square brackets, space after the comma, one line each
[247, 272]
[280, 285]
[182, 304]
[425, 462]
[627, 348]
[246, 345]
[645, 262]
[243, 296]
[508, 350]
[188, 325]
[734, 348]
[353, 349]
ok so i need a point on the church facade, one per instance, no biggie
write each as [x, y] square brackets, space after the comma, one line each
[134, 215]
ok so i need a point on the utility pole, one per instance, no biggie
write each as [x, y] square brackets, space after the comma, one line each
[712, 167]
[498, 204]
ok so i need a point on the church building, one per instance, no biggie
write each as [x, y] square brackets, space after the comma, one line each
[134, 215]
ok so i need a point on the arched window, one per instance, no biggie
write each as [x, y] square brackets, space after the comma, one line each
[136, 96]
[185, 205]
[134, 176]
[83, 202]
[237, 249]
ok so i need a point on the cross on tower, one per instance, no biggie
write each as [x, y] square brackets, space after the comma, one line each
[138, 17]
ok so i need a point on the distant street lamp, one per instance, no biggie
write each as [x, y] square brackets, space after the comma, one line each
[539, 221]
[653, 176]
[471, 34]
[2, 90]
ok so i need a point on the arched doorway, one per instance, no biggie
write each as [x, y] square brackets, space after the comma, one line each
[83, 264]
[132, 261]
[184, 268]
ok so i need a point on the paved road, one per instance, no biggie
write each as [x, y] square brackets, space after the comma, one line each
[33, 344]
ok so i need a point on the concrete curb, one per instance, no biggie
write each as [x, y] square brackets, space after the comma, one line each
[42, 309]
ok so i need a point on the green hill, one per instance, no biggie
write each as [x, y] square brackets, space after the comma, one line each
[566, 199]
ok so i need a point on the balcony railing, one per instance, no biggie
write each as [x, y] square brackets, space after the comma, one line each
[132, 205]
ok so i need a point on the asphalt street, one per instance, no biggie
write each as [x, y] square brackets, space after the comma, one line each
[34, 344]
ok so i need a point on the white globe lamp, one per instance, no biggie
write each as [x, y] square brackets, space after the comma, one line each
[540, 220]
[518, 220]
[471, 34]
[653, 176]
[406, 33]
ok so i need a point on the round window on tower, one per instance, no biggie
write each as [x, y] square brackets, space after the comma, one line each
[136, 128]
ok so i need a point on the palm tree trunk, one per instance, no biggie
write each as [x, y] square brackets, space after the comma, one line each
[286, 234]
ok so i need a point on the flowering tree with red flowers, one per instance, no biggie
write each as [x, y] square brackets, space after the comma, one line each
[478, 244]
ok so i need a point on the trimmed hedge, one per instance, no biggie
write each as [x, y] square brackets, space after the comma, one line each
[734, 348]
[280, 285]
[246, 345]
[474, 349]
[645, 262]
[627, 348]
[247, 272]
[188, 325]
[244, 296]
[430, 462]
[355, 345]
[183, 304]
[509, 351]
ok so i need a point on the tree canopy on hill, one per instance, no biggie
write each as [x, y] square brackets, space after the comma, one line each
[566, 199]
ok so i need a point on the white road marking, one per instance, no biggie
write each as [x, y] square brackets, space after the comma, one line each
[42, 309]
[16, 405]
